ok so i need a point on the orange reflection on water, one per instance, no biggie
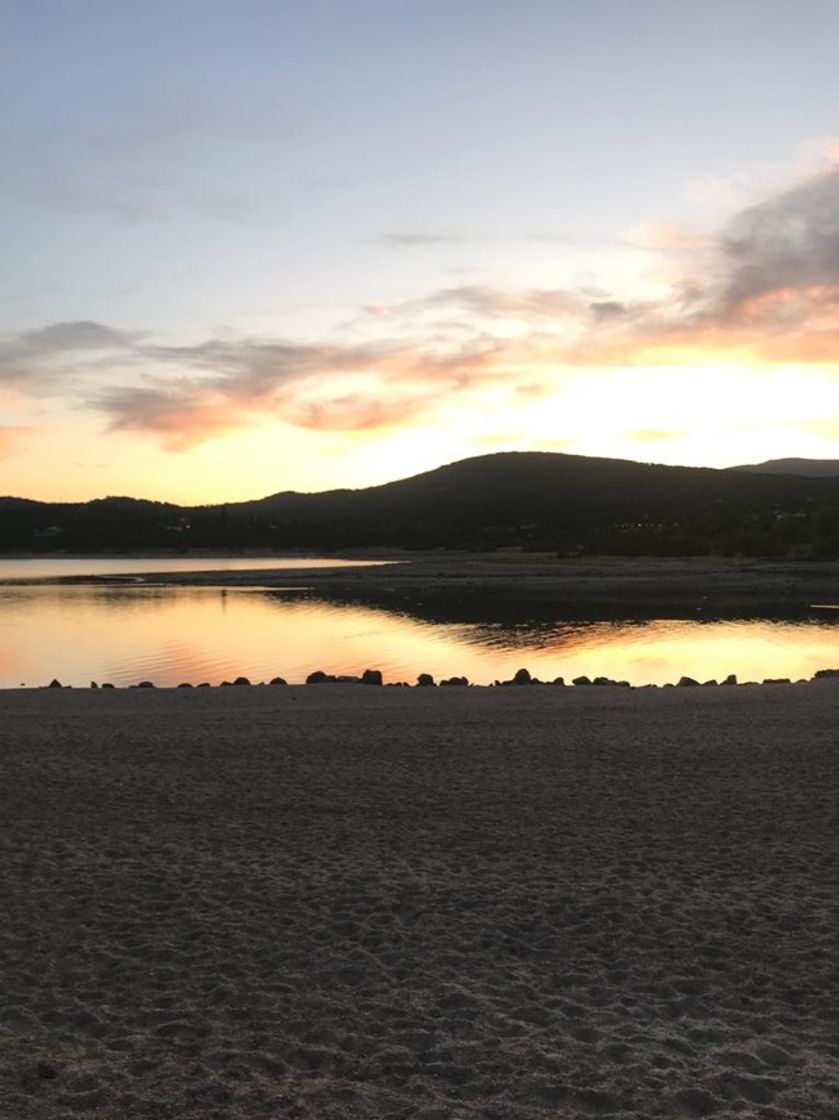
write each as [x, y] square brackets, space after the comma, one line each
[169, 635]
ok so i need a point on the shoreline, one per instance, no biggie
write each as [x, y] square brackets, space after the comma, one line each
[463, 581]
[373, 679]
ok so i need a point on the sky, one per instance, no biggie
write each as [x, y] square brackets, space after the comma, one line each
[304, 244]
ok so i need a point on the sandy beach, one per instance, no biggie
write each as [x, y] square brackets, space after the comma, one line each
[344, 902]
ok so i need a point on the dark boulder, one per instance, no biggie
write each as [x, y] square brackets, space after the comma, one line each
[425, 680]
[93, 684]
[54, 684]
[522, 676]
[145, 684]
[823, 674]
[777, 680]
[687, 682]
[559, 681]
[107, 684]
[371, 676]
[731, 679]
[581, 682]
[319, 677]
[452, 681]
[243, 682]
[185, 684]
[709, 684]
[277, 680]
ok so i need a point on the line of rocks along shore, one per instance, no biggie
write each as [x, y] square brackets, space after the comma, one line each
[521, 678]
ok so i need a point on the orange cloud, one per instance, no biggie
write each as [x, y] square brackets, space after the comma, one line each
[668, 237]
[180, 422]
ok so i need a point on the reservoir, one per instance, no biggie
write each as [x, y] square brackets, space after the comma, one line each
[125, 632]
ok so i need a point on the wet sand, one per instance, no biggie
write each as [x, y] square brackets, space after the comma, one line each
[361, 902]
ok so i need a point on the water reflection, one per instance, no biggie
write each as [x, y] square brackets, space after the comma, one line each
[78, 567]
[169, 634]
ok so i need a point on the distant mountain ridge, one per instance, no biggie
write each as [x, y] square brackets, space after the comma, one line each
[805, 468]
[569, 504]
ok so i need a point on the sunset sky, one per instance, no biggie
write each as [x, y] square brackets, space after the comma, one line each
[301, 244]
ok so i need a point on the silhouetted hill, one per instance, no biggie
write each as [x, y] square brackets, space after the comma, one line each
[808, 468]
[566, 503]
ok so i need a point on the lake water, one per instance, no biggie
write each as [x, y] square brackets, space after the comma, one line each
[125, 633]
[62, 567]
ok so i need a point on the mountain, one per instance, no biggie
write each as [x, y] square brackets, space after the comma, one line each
[570, 504]
[807, 468]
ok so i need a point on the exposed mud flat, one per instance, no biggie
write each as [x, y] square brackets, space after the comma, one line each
[357, 902]
[448, 584]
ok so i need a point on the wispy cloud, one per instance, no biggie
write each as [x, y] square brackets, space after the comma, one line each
[764, 289]
[131, 168]
[325, 388]
[411, 239]
[36, 357]
[489, 302]
[668, 237]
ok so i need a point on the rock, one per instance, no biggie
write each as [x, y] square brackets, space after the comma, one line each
[819, 675]
[731, 679]
[371, 676]
[522, 676]
[319, 677]
[93, 684]
[622, 684]
[185, 684]
[460, 681]
[107, 684]
[425, 680]
[204, 684]
[277, 680]
[602, 681]
[581, 682]
[777, 680]
[226, 684]
[687, 682]
[145, 684]
[242, 682]
[709, 684]
[559, 681]
[54, 684]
